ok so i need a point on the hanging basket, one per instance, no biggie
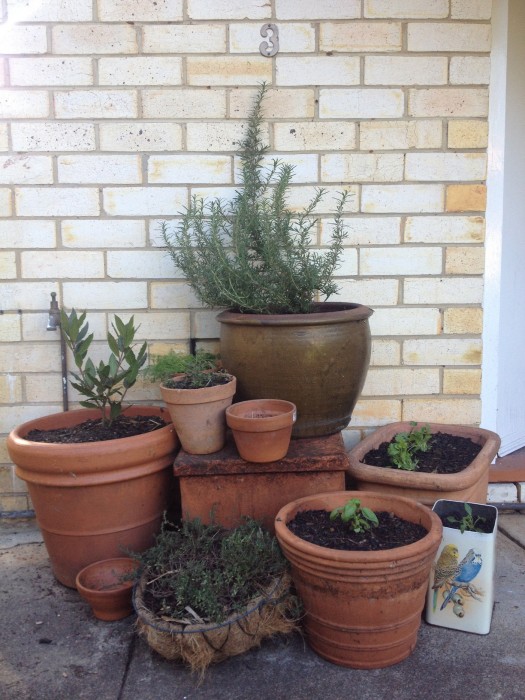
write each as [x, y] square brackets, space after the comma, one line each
[200, 645]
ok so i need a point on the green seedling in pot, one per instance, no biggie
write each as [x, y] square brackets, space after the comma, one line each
[359, 518]
[468, 522]
[405, 445]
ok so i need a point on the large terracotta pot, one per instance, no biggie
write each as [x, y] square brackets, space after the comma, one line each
[93, 500]
[471, 484]
[317, 361]
[363, 609]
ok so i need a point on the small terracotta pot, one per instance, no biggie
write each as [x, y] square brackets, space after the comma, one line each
[198, 415]
[262, 428]
[103, 585]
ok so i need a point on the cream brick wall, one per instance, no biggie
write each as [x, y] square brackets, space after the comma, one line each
[114, 112]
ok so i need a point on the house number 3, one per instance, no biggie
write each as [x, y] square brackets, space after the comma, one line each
[271, 46]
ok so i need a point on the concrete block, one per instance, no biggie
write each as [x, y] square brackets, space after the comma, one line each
[140, 11]
[173, 295]
[401, 9]
[442, 351]
[52, 10]
[471, 9]
[502, 493]
[360, 37]
[293, 38]
[466, 198]
[53, 136]
[385, 352]
[363, 230]
[4, 138]
[401, 260]
[183, 103]
[190, 169]
[140, 70]
[405, 321]
[23, 169]
[22, 104]
[226, 9]
[103, 233]
[96, 104]
[317, 70]
[467, 133]
[24, 39]
[371, 292]
[448, 102]
[144, 201]
[461, 411]
[56, 201]
[401, 381]
[216, 136]
[10, 332]
[162, 325]
[280, 103]
[26, 295]
[445, 166]
[463, 320]
[36, 357]
[448, 36]
[228, 70]
[188, 38]
[444, 229]
[8, 265]
[100, 169]
[140, 136]
[5, 202]
[10, 384]
[394, 199]
[464, 260]
[371, 413]
[406, 70]
[362, 167]
[51, 71]
[139, 264]
[462, 381]
[359, 103]
[469, 70]
[62, 264]
[312, 9]
[443, 290]
[106, 295]
[96, 38]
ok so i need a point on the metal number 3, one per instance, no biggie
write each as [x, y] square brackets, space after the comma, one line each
[271, 46]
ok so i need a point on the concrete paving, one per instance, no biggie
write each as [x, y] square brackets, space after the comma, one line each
[52, 648]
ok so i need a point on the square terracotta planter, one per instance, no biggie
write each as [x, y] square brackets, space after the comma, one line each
[471, 484]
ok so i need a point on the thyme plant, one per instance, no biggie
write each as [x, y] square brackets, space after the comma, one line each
[253, 254]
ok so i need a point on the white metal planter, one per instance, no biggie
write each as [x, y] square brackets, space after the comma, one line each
[461, 588]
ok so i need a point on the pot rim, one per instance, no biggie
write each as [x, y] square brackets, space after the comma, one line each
[206, 394]
[326, 312]
[126, 564]
[284, 414]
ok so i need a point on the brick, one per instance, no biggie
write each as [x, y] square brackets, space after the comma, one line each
[140, 10]
[29, 296]
[45, 387]
[375, 412]
[42, 357]
[229, 9]
[96, 104]
[448, 102]
[305, 166]
[471, 9]
[20, 104]
[453, 410]
[406, 321]
[362, 167]
[367, 230]
[228, 70]
[62, 264]
[184, 104]
[280, 103]
[94, 39]
[12, 416]
[53, 136]
[466, 198]
[82, 169]
[51, 71]
[217, 136]
[140, 70]
[318, 70]
[464, 290]
[465, 260]
[462, 381]
[103, 233]
[312, 9]
[5, 202]
[385, 352]
[403, 135]
[401, 381]
[173, 295]
[144, 201]
[189, 38]
[7, 265]
[25, 169]
[27, 234]
[24, 39]
[358, 103]
[445, 166]
[189, 168]
[205, 324]
[4, 139]
[162, 326]
[406, 70]
[106, 295]
[140, 136]
[10, 385]
[448, 36]
[57, 201]
[360, 37]
[371, 292]
[502, 493]
[469, 70]
[301, 196]
[393, 199]
[51, 10]
[463, 320]
[402, 260]
[467, 134]
[399, 9]
[139, 264]
[444, 229]
[293, 38]
[442, 351]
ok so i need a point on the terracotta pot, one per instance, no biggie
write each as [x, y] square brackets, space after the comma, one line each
[262, 428]
[471, 484]
[93, 499]
[104, 586]
[317, 361]
[199, 415]
[363, 609]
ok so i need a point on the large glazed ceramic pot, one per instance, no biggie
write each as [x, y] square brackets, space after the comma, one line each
[318, 361]
[94, 500]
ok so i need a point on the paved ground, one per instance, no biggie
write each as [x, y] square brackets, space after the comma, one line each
[51, 648]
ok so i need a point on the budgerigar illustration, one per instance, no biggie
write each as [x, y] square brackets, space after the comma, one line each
[469, 567]
[446, 569]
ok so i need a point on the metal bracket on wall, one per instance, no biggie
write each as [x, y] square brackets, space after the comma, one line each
[271, 46]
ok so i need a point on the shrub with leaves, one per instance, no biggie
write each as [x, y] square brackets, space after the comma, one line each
[104, 385]
[405, 446]
[358, 517]
[254, 254]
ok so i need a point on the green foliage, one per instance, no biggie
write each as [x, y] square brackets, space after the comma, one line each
[405, 445]
[199, 370]
[359, 518]
[105, 385]
[213, 571]
[253, 254]
[468, 523]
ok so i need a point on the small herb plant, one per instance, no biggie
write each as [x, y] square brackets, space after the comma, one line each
[199, 370]
[360, 518]
[404, 446]
[105, 385]
[468, 522]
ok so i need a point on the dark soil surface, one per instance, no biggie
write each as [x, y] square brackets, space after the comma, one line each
[315, 527]
[215, 379]
[481, 524]
[448, 454]
[95, 431]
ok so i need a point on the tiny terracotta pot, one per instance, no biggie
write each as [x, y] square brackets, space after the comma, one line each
[262, 428]
[105, 587]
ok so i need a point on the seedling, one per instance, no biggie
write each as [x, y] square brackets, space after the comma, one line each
[360, 518]
[469, 522]
[405, 445]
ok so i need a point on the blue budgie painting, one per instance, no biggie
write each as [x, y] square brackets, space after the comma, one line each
[454, 580]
